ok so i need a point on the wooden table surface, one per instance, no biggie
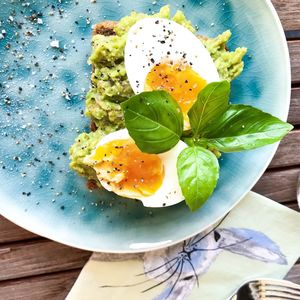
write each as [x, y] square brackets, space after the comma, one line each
[32, 267]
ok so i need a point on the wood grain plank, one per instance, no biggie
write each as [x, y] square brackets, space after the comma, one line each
[294, 274]
[294, 49]
[47, 287]
[10, 232]
[293, 205]
[294, 113]
[288, 153]
[289, 12]
[34, 258]
[278, 185]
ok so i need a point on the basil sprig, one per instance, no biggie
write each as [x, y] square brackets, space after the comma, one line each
[154, 120]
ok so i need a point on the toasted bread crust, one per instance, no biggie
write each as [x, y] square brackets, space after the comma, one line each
[93, 126]
[105, 28]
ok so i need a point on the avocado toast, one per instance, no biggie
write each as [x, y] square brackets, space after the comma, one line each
[110, 85]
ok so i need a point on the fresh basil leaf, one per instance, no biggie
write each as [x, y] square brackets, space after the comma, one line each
[198, 173]
[154, 120]
[211, 103]
[244, 127]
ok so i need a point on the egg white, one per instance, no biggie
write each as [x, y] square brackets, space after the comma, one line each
[169, 192]
[154, 40]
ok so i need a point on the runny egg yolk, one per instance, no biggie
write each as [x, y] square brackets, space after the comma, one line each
[180, 80]
[122, 166]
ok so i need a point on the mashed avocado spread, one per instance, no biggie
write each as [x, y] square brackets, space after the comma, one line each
[110, 85]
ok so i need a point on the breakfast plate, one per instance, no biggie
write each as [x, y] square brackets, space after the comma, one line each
[44, 79]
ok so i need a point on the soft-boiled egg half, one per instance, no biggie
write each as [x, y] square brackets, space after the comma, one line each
[161, 54]
[123, 169]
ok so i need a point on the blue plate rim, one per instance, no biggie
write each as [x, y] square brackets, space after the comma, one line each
[30, 226]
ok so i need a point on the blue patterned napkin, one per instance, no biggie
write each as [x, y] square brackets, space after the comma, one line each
[258, 238]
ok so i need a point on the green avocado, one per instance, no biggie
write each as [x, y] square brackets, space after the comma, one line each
[83, 146]
[228, 63]
[110, 85]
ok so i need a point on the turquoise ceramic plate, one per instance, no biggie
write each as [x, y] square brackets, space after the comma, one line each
[42, 92]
